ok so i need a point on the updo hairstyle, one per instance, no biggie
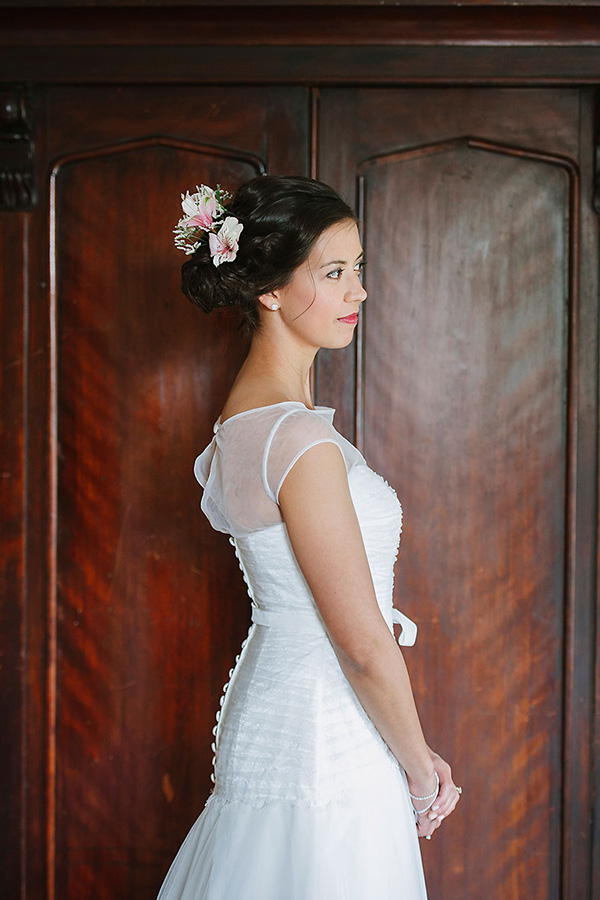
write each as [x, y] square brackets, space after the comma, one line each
[283, 216]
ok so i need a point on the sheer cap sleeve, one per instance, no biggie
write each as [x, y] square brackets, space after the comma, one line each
[250, 455]
[295, 432]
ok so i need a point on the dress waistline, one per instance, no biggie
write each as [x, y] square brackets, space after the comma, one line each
[292, 620]
[306, 622]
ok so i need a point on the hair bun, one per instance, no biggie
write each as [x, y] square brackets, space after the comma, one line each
[212, 287]
[282, 216]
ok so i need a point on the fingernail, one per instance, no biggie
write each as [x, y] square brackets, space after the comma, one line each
[440, 818]
[434, 816]
[435, 807]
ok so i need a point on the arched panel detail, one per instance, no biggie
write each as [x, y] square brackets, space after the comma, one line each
[469, 348]
[210, 150]
[479, 401]
[125, 358]
[392, 157]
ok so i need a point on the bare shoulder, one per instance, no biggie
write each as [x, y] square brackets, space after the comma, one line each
[243, 398]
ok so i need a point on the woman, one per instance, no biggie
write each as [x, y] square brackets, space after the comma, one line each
[323, 780]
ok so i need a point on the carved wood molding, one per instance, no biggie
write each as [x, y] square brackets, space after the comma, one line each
[344, 44]
[17, 185]
[596, 192]
[259, 25]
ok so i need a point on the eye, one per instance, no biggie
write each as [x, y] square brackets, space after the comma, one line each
[360, 266]
[335, 275]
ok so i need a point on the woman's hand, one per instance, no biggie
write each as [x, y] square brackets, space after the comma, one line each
[444, 803]
[426, 826]
[448, 796]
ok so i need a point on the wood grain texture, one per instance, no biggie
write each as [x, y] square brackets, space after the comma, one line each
[301, 65]
[13, 246]
[338, 5]
[356, 26]
[470, 368]
[150, 608]
[73, 692]
[469, 340]
[580, 875]
[144, 615]
[285, 45]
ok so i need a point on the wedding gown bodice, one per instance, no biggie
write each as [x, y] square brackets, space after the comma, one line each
[308, 800]
[284, 660]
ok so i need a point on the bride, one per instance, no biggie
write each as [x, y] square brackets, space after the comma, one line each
[323, 780]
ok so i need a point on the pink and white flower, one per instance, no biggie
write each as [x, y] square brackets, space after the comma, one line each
[201, 208]
[204, 222]
[224, 244]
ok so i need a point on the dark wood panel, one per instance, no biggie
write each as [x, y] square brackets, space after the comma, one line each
[84, 129]
[37, 531]
[235, 26]
[270, 44]
[465, 349]
[150, 607]
[583, 638]
[94, 117]
[145, 617]
[12, 491]
[23, 392]
[415, 113]
[337, 4]
[469, 335]
[300, 65]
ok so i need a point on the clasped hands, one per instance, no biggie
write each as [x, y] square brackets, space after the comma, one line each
[445, 802]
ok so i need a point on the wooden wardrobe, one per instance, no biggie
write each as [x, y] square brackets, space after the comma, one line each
[466, 138]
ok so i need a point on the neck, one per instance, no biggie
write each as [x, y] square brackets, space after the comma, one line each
[280, 364]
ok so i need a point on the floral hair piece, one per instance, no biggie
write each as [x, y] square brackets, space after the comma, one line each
[206, 219]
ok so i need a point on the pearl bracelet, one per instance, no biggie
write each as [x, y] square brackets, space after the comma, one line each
[420, 812]
[433, 794]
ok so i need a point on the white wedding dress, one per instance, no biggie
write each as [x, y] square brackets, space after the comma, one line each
[308, 801]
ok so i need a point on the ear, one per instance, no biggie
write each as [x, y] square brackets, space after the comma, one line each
[271, 300]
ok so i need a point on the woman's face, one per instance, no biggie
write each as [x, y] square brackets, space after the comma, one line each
[319, 306]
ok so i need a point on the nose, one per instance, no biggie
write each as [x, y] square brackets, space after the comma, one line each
[357, 292]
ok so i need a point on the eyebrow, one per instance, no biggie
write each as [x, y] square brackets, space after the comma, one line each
[340, 262]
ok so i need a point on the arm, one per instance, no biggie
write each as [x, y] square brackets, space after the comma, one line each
[325, 535]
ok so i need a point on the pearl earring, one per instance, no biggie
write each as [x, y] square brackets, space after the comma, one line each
[274, 306]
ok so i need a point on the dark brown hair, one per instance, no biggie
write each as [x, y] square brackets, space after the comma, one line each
[283, 216]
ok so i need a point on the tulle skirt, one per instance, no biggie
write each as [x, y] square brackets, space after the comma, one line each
[361, 845]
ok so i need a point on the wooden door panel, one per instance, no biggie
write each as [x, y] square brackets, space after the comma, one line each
[472, 387]
[472, 337]
[12, 385]
[150, 608]
[461, 389]
[133, 606]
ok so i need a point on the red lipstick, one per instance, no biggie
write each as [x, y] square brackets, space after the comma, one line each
[351, 320]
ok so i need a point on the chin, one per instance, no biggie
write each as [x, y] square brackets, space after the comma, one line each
[338, 343]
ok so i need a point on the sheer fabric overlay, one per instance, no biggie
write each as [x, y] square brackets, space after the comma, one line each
[308, 801]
